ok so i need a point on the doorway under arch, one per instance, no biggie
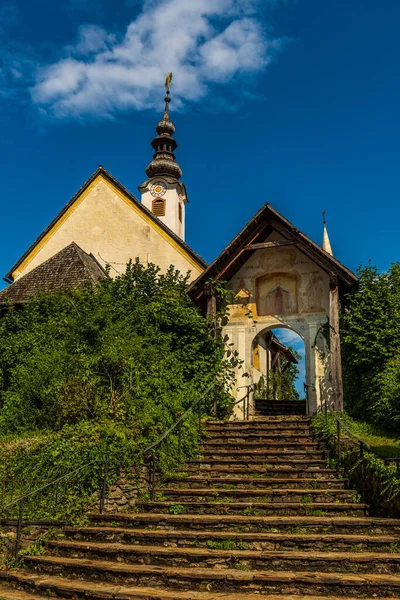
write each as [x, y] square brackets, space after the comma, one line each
[279, 364]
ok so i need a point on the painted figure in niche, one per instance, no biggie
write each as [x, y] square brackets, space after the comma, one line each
[314, 293]
[278, 302]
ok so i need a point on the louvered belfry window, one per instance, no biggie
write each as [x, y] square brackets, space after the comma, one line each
[159, 207]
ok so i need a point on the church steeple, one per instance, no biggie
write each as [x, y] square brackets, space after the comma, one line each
[164, 144]
[163, 194]
[326, 244]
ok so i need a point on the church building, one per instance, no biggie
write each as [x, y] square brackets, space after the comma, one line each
[279, 277]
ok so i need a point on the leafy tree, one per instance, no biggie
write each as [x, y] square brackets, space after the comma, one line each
[102, 372]
[281, 386]
[370, 332]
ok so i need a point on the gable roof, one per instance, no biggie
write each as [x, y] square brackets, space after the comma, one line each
[267, 220]
[68, 269]
[101, 171]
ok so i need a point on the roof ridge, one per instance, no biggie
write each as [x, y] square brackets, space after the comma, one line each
[103, 171]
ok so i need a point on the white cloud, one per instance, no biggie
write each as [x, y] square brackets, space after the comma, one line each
[203, 42]
[289, 338]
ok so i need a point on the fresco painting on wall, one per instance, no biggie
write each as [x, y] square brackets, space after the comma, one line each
[276, 294]
[314, 295]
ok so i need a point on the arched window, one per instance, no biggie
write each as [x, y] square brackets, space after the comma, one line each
[180, 212]
[159, 207]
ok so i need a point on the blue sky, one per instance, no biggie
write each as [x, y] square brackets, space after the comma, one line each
[292, 102]
[292, 339]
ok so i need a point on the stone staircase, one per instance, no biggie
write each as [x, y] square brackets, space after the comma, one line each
[270, 408]
[258, 516]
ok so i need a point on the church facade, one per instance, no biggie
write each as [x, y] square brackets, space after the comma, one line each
[278, 276]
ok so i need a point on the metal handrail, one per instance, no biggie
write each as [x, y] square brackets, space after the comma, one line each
[37, 490]
[246, 399]
[150, 450]
[179, 421]
[359, 440]
[21, 500]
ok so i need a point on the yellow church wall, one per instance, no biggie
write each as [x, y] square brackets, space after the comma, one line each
[104, 222]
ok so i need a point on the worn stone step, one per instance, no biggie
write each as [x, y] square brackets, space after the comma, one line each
[263, 454]
[243, 439]
[233, 540]
[220, 580]
[276, 560]
[277, 472]
[307, 496]
[251, 460]
[267, 483]
[39, 586]
[273, 444]
[261, 420]
[255, 508]
[259, 427]
[252, 524]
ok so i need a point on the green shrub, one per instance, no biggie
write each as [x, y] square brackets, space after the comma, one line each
[100, 373]
[381, 483]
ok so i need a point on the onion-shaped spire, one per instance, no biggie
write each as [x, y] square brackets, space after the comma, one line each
[163, 162]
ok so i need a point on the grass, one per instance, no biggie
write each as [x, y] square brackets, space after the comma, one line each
[384, 444]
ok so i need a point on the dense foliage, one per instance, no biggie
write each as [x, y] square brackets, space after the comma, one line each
[381, 482]
[103, 371]
[280, 386]
[370, 333]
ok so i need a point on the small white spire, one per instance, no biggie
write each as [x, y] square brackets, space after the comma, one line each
[326, 244]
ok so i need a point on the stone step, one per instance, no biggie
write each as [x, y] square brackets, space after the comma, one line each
[247, 495]
[263, 454]
[274, 444]
[232, 540]
[259, 427]
[64, 588]
[233, 472]
[262, 420]
[263, 410]
[269, 443]
[219, 580]
[264, 439]
[255, 508]
[275, 560]
[252, 524]
[267, 483]
[282, 407]
[251, 460]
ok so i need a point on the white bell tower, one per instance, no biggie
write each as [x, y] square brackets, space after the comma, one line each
[163, 194]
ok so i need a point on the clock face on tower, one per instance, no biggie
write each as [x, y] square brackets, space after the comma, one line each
[158, 188]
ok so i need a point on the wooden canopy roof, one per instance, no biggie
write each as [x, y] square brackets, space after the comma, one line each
[252, 238]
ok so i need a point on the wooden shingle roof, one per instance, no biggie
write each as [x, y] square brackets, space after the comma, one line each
[257, 230]
[68, 269]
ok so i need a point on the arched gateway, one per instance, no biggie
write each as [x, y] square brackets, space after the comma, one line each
[281, 278]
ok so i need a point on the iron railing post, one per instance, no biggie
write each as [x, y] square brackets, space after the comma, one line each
[362, 472]
[103, 487]
[19, 528]
[199, 415]
[153, 474]
[248, 403]
[339, 448]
